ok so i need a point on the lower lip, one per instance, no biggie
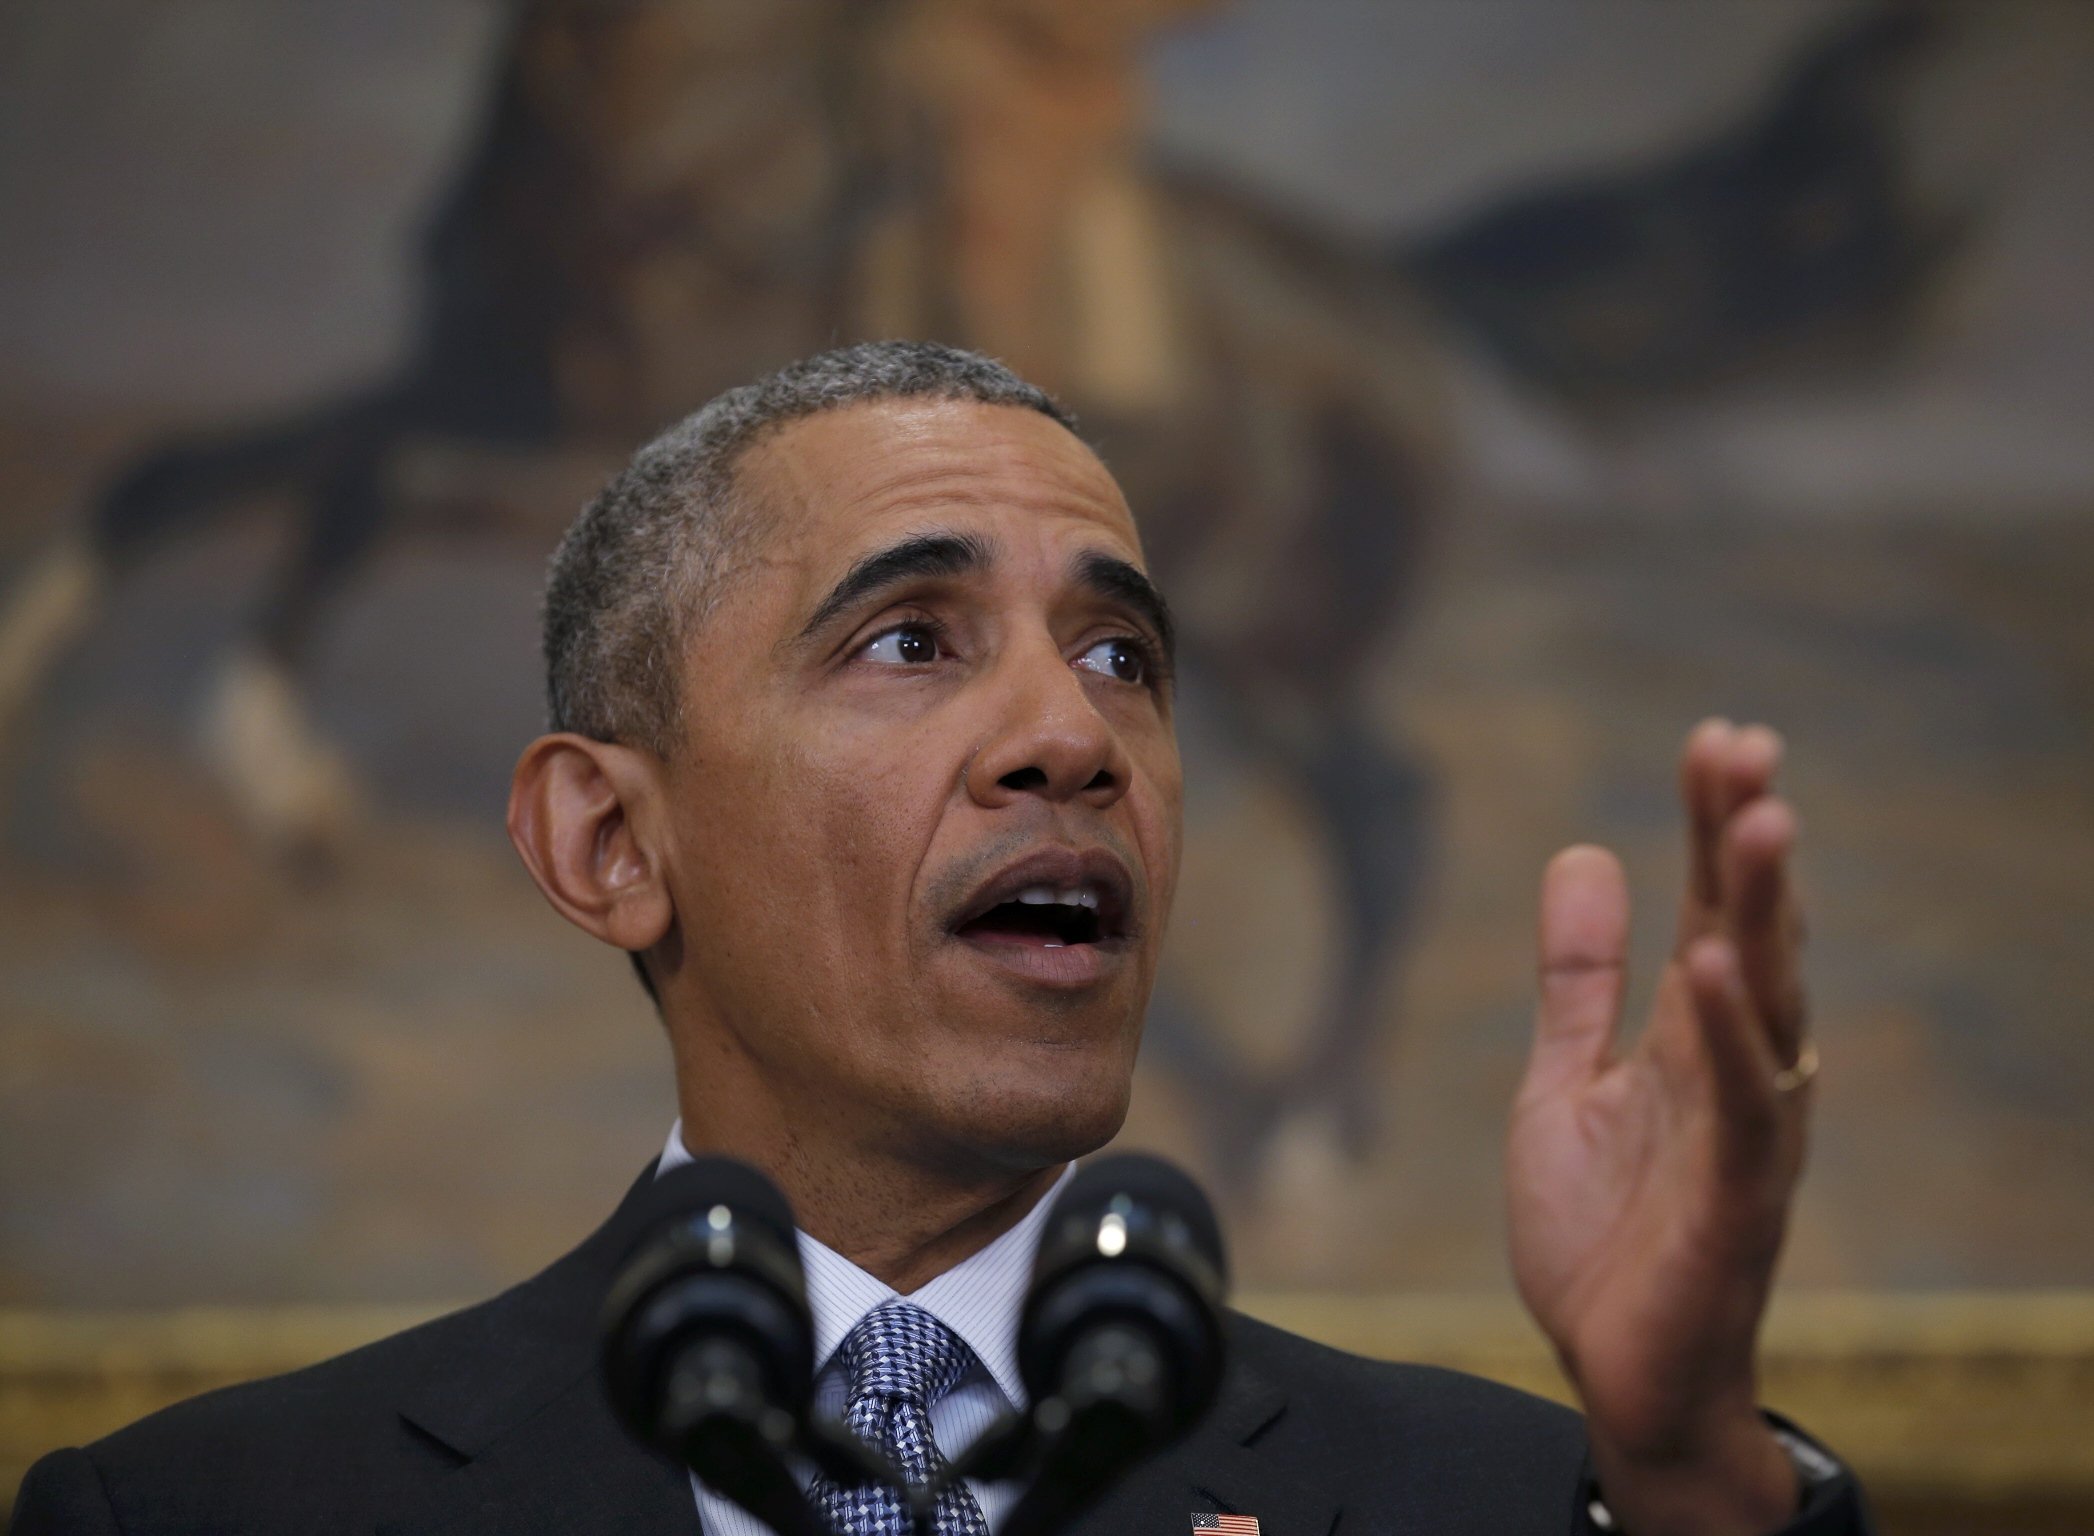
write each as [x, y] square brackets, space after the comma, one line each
[1052, 965]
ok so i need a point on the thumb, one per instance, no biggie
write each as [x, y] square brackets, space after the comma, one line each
[1584, 965]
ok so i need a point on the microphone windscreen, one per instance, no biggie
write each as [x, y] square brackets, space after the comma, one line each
[698, 1186]
[1150, 1184]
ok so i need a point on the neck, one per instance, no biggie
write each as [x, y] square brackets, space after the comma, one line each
[943, 1226]
[904, 1222]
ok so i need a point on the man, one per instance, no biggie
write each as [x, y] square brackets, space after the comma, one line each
[863, 747]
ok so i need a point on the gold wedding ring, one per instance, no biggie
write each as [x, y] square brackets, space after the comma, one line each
[1789, 1079]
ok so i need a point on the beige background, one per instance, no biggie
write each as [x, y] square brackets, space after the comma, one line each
[224, 1081]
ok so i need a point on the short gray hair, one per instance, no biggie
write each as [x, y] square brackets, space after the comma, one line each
[645, 561]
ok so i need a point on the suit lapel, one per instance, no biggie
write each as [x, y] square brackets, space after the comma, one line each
[516, 1400]
[569, 1471]
[1220, 1468]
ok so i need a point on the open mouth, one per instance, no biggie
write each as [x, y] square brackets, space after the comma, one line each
[1058, 899]
[1042, 915]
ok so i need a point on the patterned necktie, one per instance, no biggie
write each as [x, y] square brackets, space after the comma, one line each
[898, 1361]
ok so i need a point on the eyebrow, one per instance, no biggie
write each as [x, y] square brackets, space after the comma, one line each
[927, 555]
[1113, 578]
[912, 559]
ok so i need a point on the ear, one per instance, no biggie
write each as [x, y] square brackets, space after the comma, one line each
[584, 816]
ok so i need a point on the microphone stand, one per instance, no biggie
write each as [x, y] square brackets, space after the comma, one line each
[743, 1448]
[1074, 1445]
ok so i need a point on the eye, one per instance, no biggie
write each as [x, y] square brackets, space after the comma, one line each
[1122, 658]
[911, 645]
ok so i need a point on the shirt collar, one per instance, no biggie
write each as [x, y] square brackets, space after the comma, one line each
[979, 1298]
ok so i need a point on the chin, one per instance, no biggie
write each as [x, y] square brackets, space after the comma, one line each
[1039, 1114]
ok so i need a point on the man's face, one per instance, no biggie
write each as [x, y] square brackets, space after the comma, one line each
[925, 818]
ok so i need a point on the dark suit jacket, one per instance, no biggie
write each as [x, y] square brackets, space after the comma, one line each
[492, 1422]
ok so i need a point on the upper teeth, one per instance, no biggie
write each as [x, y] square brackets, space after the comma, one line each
[1048, 896]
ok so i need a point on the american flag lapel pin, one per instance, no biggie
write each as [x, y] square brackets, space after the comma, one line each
[1225, 1525]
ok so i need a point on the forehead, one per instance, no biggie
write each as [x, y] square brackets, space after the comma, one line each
[839, 482]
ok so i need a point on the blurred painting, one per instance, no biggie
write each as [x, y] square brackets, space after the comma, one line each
[1500, 388]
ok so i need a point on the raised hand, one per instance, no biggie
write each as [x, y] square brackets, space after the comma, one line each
[1649, 1187]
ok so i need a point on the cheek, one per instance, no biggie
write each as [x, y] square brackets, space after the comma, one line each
[858, 814]
[794, 865]
[1159, 818]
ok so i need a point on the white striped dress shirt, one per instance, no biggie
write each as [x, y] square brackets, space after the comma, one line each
[978, 1299]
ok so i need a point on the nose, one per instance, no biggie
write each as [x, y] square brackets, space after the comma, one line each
[1049, 740]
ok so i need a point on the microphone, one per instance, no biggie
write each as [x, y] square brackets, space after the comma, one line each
[708, 1347]
[1120, 1342]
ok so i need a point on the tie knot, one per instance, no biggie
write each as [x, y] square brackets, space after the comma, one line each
[900, 1352]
